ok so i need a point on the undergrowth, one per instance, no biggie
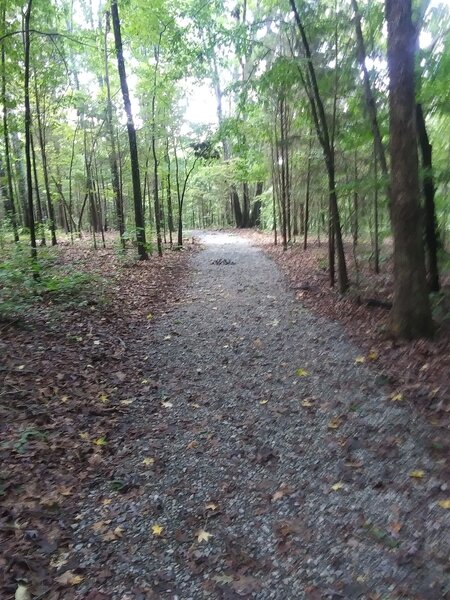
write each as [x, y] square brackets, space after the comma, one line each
[25, 284]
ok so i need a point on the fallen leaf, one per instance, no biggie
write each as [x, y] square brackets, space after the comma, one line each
[157, 529]
[103, 398]
[203, 536]
[167, 404]
[84, 435]
[307, 403]
[301, 372]
[359, 360]
[168, 337]
[22, 593]
[113, 534]
[149, 317]
[100, 442]
[373, 355]
[192, 445]
[417, 474]
[337, 486]
[263, 401]
[148, 461]
[335, 423]
[223, 579]
[126, 402]
[69, 578]
[211, 506]
[396, 397]
[444, 503]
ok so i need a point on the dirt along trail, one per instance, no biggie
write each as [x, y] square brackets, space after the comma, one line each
[269, 464]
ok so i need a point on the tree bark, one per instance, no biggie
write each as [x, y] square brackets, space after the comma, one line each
[321, 124]
[431, 237]
[411, 314]
[50, 207]
[10, 208]
[134, 159]
[113, 158]
[29, 172]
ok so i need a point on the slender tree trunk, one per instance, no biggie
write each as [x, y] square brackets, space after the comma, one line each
[169, 195]
[322, 129]
[137, 195]
[113, 158]
[411, 314]
[431, 237]
[50, 208]
[29, 172]
[38, 195]
[375, 214]
[369, 97]
[21, 187]
[10, 208]
[307, 192]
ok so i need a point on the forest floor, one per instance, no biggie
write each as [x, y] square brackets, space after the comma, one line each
[206, 435]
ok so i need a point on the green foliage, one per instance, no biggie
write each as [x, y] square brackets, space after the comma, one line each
[25, 284]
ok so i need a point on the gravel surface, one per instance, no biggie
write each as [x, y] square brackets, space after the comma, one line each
[257, 426]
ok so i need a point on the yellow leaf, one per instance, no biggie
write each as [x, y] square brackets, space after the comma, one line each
[418, 474]
[263, 401]
[444, 503]
[359, 360]
[211, 506]
[149, 317]
[195, 405]
[84, 435]
[100, 442]
[307, 403]
[301, 372]
[396, 397]
[126, 402]
[337, 486]
[64, 399]
[203, 536]
[103, 398]
[157, 529]
[148, 461]
[69, 578]
[335, 423]
[106, 501]
[373, 355]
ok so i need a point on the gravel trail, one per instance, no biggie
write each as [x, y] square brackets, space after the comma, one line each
[260, 429]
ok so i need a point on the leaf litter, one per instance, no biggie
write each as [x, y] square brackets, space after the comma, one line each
[279, 533]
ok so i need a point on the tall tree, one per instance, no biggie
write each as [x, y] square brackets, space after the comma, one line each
[29, 174]
[411, 313]
[134, 159]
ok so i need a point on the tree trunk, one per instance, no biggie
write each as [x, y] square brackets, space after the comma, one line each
[29, 173]
[113, 158]
[10, 208]
[411, 314]
[38, 195]
[431, 237]
[50, 208]
[21, 190]
[323, 134]
[137, 194]
[371, 106]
